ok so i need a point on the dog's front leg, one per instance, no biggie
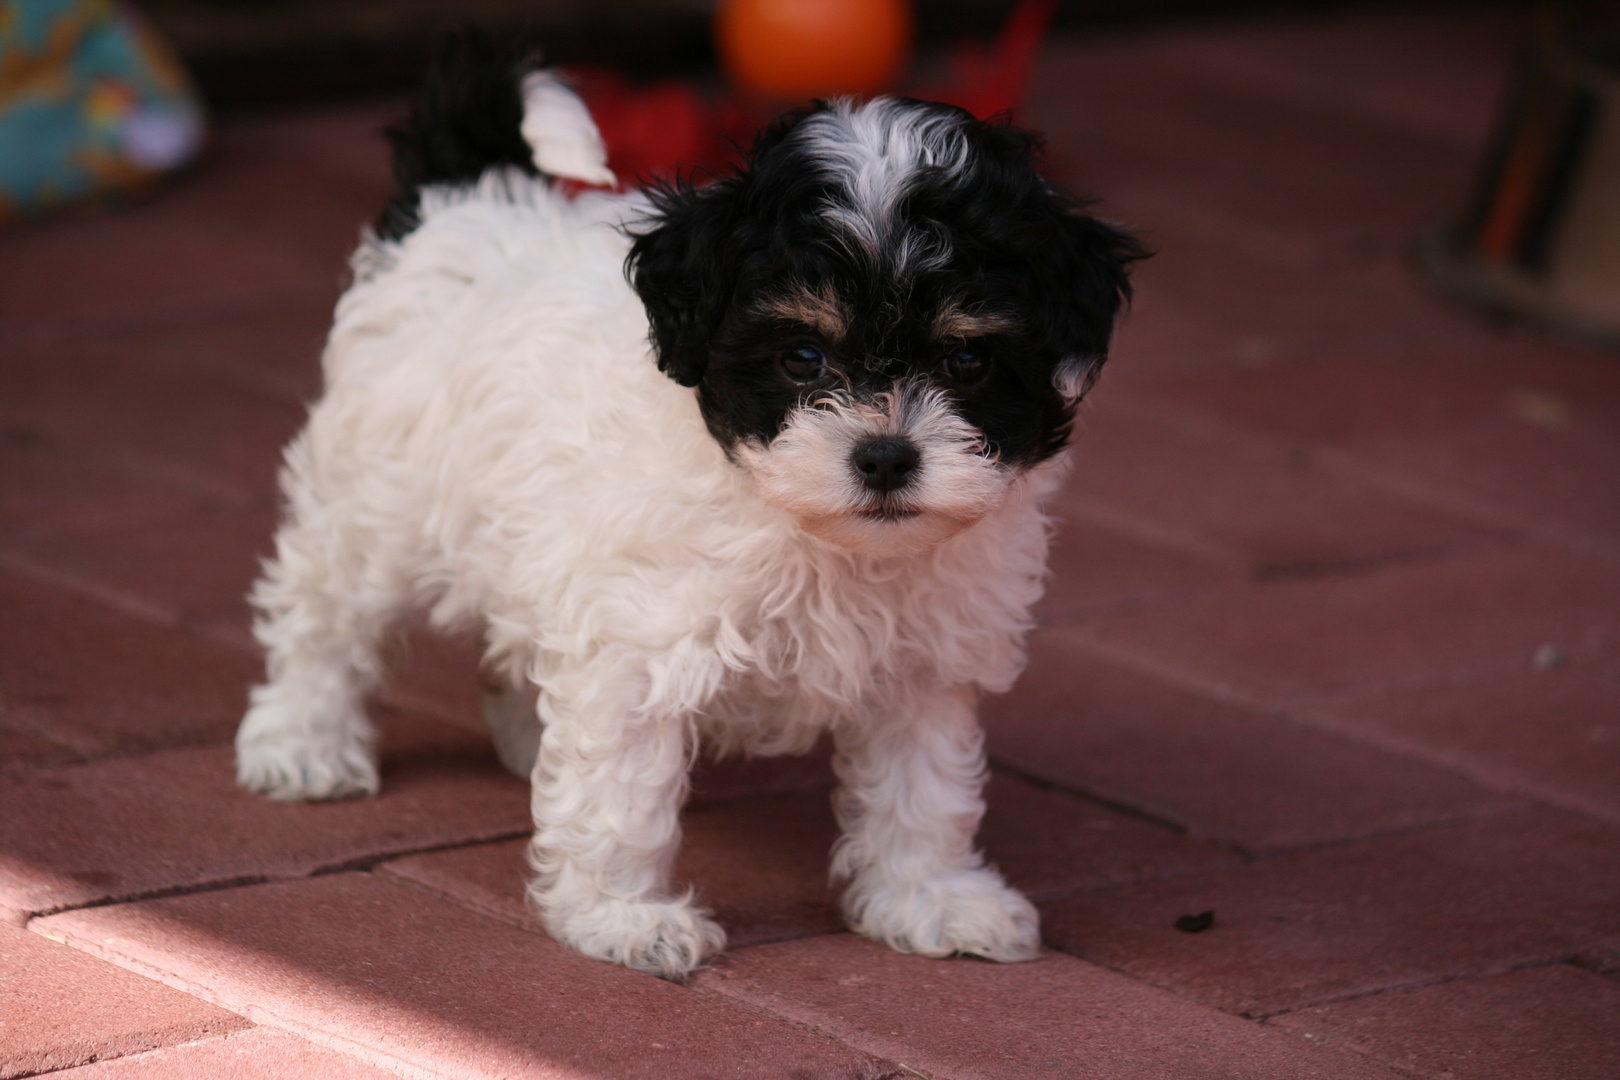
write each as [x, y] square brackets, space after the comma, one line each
[607, 791]
[909, 803]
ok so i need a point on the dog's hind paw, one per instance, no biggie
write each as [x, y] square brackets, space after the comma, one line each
[297, 766]
[972, 913]
[667, 938]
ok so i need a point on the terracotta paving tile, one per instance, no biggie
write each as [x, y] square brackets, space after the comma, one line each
[1553, 734]
[356, 961]
[1421, 69]
[1476, 898]
[258, 1054]
[1476, 612]
[1602, 958]
[1231, 295]
[488, 878]
[1548, 1023]
[115, 394]
[270, 211]
[1258, 259]
[761, 864]
[716, 782]
[20, 749]
[51, 490]
[95, 679]
[1278, 162]
[1233, 774]
[1566, 475]
[1261, 505]
[198, 564]
[1522, 424]
[1343, 395]
[175, 819]
[1281, 200]
[438, 673]
[1055, 1017]
[59, 1007]
[1096, 567]
[1050, 842]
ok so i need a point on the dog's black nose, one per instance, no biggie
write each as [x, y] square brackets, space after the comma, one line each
[886, 464]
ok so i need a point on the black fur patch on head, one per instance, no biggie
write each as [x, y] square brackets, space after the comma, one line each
[467, 119]
[952, 259]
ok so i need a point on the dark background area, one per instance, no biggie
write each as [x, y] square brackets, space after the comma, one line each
[248, 53]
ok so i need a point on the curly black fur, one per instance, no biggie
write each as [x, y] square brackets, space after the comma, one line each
[1012, 244]
[466, 119]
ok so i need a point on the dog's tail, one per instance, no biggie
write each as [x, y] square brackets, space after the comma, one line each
[482, 108]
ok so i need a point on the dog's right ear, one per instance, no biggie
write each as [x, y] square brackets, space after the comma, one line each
[682, 264]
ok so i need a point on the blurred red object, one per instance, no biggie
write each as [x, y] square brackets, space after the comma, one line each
[992, 81]
[655, 131]
[797, 49]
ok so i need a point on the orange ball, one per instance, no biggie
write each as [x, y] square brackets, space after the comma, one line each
[813, 48]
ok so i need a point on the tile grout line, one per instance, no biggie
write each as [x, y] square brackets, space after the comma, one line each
[1116, 805]
[118, 599]
[1304, 711]
[255, 1014]
[252, 1013]
[1143, 406]
[716, 981]
[157, 467]
[69, 329]
[134, 1056]
[1403, 988]
[362, 1052]
[358, 864]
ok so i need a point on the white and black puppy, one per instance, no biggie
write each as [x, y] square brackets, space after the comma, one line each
[785, 479]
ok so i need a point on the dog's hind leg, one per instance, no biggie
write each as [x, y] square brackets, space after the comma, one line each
[509, 707]
[909, 803]
[607, 792]
[325, 603]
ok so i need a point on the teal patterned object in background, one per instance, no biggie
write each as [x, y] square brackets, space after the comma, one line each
[93, 106]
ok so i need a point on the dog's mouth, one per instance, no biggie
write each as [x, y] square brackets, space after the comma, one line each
[888, 513]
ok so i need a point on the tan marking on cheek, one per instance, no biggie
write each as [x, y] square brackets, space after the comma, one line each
[820, 309]
[956, 321]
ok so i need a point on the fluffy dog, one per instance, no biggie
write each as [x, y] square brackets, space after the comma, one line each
[786, 479]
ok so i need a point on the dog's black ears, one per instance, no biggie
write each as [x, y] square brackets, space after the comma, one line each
[1087, 272]
[681, 264]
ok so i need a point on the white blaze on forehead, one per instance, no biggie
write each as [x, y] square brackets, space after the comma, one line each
[876, 153]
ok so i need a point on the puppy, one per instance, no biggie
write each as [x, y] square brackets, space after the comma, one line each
[786, 479]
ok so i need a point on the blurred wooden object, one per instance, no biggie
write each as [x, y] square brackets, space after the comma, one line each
[1542, 238]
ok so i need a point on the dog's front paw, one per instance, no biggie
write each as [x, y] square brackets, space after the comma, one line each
[971, 912]
[667, 938]
[292, 765]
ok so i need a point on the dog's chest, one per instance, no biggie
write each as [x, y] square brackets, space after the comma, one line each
[817, 643]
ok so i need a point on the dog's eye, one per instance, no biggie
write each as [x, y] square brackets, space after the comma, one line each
[966, 367]
[804, 364]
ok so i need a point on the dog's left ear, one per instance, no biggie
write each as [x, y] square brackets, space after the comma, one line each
[1087, 279]
[681, 265]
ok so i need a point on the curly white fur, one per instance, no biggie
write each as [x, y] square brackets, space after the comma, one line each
[496, 447]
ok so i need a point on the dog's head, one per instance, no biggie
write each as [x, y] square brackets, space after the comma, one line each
[887, 312]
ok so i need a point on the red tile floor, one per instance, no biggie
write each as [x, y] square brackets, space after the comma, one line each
[1333, 650]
